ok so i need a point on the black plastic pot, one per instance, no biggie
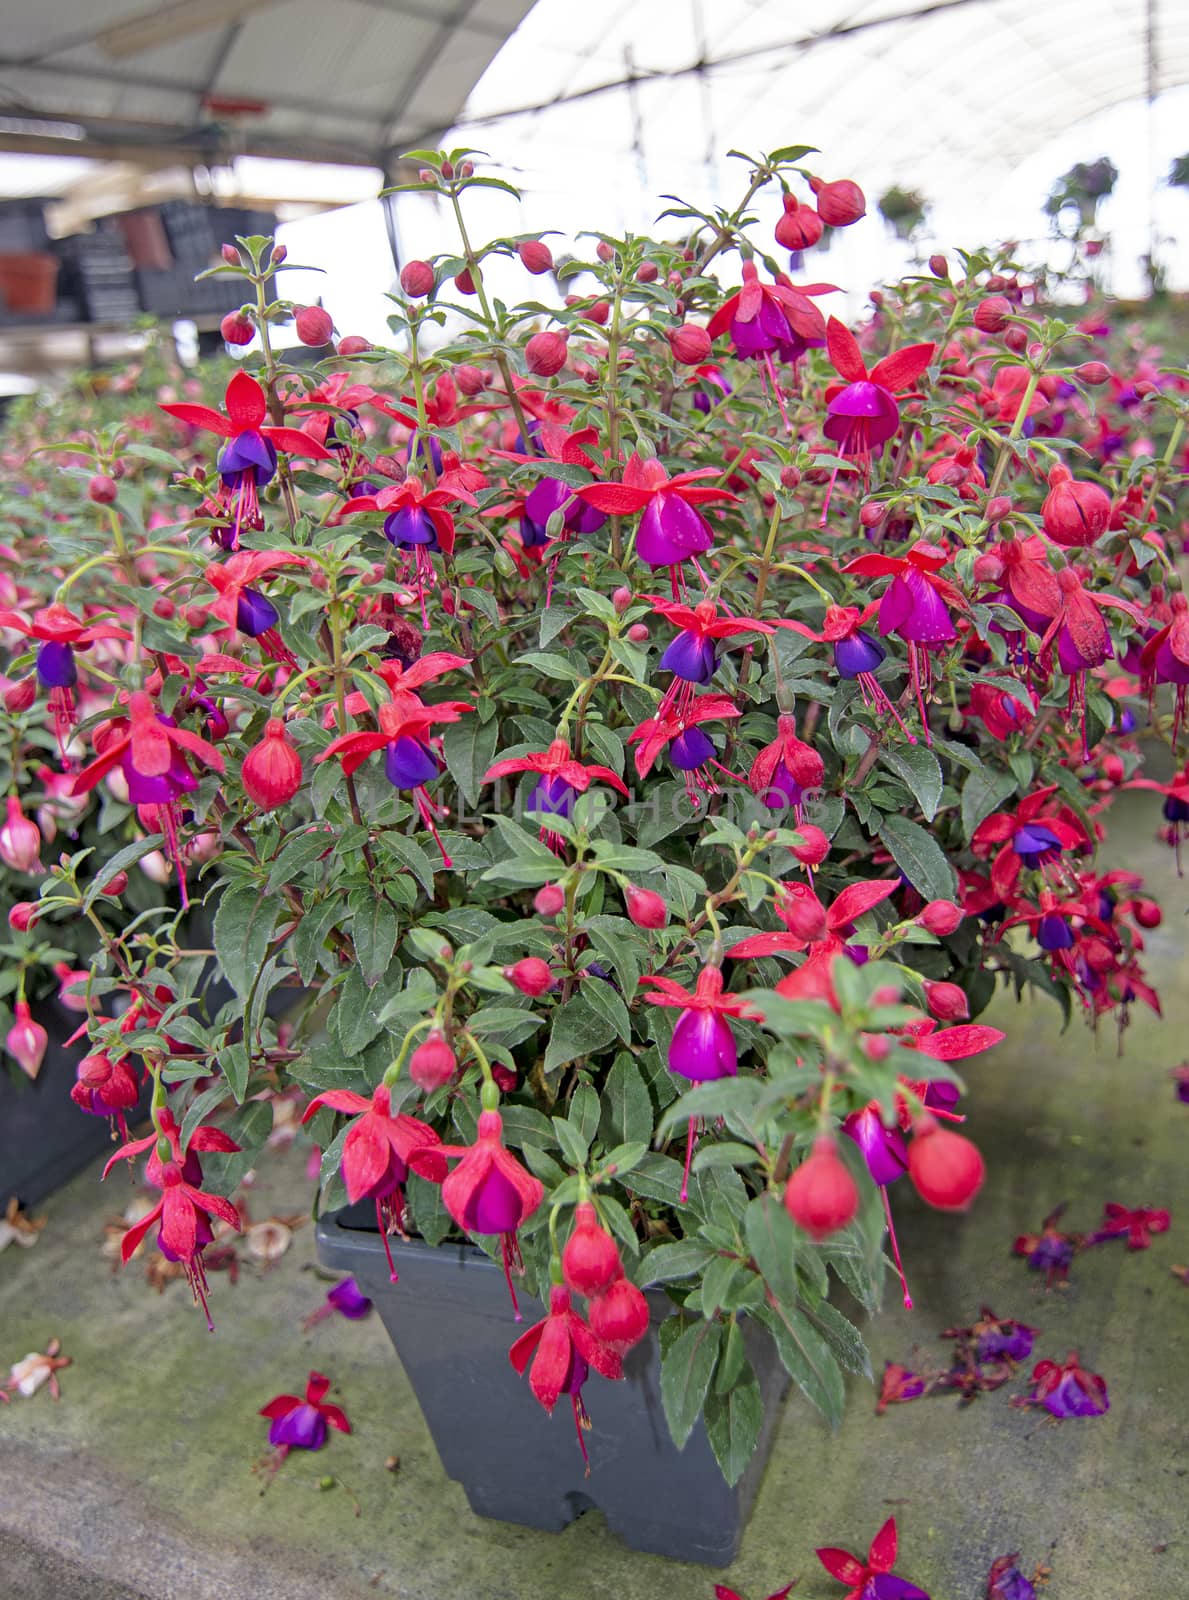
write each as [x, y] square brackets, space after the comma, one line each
[450, 1320]
[44, 1137]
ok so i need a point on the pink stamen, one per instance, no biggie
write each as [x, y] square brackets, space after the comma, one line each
[382, 1224]
[425, 808]
[887, 1210]
[691, 1140]
[512, 1256]
[777, 391]
[918, 664]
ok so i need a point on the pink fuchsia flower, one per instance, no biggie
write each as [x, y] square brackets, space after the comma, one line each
[378, 1153]
[490, 1192]
[871, 1579]
[72, 987]
[183, 1213]
[560, 779]
[1081, 635]
[249, 458]
[59, 633]
[1002, 714]
[839, 920]
[301, 1424]
[1175, 809]
[1165, 659]
[1005, 1581]
[672, 529]
[1033, 837]
[26, 1041]
[857, 656]
[784, 770]
[20, 839]
[562, 1350]
[1067, 1390]
[240, 604]
[692, 656]
[416, 520]
[862, 412]
[691, 752]
[1007, 394]
[1137, 1226]
[771, 319]
[106, 1088]
[1050, 1251]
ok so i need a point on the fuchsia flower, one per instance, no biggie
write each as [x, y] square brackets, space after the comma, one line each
[1136, 1226]
[248, 460]
[721, 1592]
[299, 1424]
[1165, 659]
[378, 1153]
[1067, 1390]
[812, 926]
[1032, 837]
[692, 657]
[672, 529]
[857, 656]
[771, 319]
[562, 1350]
[898, 1386]
[184, 1209]
[691, 752]
[560, 779]
[1050, 1251]
[241, 606]
[1005, 1581]
[105, 1088]
[1082, 637]
[59, 633]
[490, 1192]
[862, 412]
[26, 1041]
[416, 520]
[871, 1579]
[1175, 809]
[783, 770]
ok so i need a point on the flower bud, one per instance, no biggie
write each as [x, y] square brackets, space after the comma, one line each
[433, 1063]
[1147, 913]
[271, 770]
[689, 343]
[469, 379]
[447, 169]
[426, 175]
[1074, 513]
[1016, 340]
[20, 839]
[998, 508]
[800, 227]
[236, 328]
[535, 255]
[621, 599]
[353, 345]
[464, 281]
[619, 1316]
[116, 885]
[946, 1169]
[467, 169]
[645, 907]
[545, 354]
[604, 251]
[26, 1041]
[590, 1261]
[991, 314]
[20, 696]
[278, 254]
[821, 1196]
[939, 266]
[1094, 373]
[599, 313]
[102, 489]
[876, 1046]
[647, 272]
[416, 278]
[638, 633]
[23, 915]
[887, 994]
[549, 900]
[230, 255]
[872, 514]
[315, 326]
[941, 917]
[987, 568]
[814, 846]
[801, 912]
[790, 476]
[946, 1001]
[530, 975]
[840, 203]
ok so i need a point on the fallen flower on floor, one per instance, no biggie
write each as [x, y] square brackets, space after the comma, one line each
[27, 1376]
[872, 1579]
[721, 1592]
[347, 1298]
[994, 1338]
[1138, 1225]
[1005, 1581]
[1050, 1251]
[18, 1227]
[1066, 1390]
[1182, 1273]
[298, 1424]
[898, 1386]
[1180, 1076]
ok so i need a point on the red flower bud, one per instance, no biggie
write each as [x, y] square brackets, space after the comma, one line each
[619, 1316]
[646, 908]
[545, 354]
[314, 325]
[536, 255]
[426, 175]
[20, 839]
[467, 169]
[886, 995]
[876, 1046]
[237, 329]
[549, 900]
[20, 696]
[1113, 769]
[433, 1063]
[22, 915]
[638, 632]
[840, 203]
[947, 1171]
[790, 476]
[946, 1001]
[590, 1261]
[27, 1041]
[102, 489]
[164, 607]
[353, 345]
[271, 772]
[801, 912]
[821, 1196]
[988, 568]
[116, 886]
[621, 599]
[464, 281]
[1016, 340]
[939, 266]
[1147, 913]
[872, 514]
[599, 312]
[278, 253]
[469, 379]
[814, 846]
[447, 169]
[800, 227]
[530, 975]
[604, 251]
[1093, 372]
[941, 917]
[690, 344]
[1074, 513]
[231, 255]
[647, 272]
[416, 278]
[991, 314]
[998, 508]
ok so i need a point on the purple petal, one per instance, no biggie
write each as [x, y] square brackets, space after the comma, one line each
[303, 1428]
[883, 1149]
[670, 531]
[349, 1300]
[1072, 1398]
[886, 1586]
[702, 1047]
[495, 1206]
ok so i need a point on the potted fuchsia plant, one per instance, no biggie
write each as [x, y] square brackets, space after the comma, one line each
[640, 728]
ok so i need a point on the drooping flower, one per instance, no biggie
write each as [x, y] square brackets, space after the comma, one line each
[26, 1041]
[590, 1260]
[248, 460]
[416, 520]
[346, 1299]
[301, 1424]
[1034, 836]
[821, 1196]
[809, 925]
[1175, 809]
[784, 770]
[672, 529]
[490, 1192]
[857, 656]
[1137, 1226]
[562, 1350]
[560, 780]
[1165, 659]
[241, 605]
[871, 1579]
[183, 1213]
[378, 1153]
[767, 320]
[59, 633]
[862, 412]
[692, 657]
[1082, 637]
[1067, 1390]
[691, 751]
[106, 1088]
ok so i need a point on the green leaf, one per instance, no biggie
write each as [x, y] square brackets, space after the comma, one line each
[578, 1030]
[626, 1103]
[807, 1360]
[669, 1263]
[984, 791]
[920, 769]
[603, 1000]
[233, 1064]
[551, 665]
[658, 1177]
[296, 855]
[374, 929]
[584, 1112]
[469, 749]
[733, 1423]
[243, 927]
[844, 1339]
[355, 1020]
[686, 1369]
[772, 1239]
[309, 937]
[120, 862]
[919, 857]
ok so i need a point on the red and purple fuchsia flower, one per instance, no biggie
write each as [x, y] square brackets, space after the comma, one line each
[560, 780]
[241, 605]
[771, 320]
[1137, 1226]
[1066, 1389]
[183, 1213]
[692, 753]
[58, 634]
[863, 412]
[301, 1423]
[563, 1350]
[489, 1192]
[1005, 1581]
[417, 522]
[872, 1579]
[672, 530]
[858, 656]
[248, 461]
[693, 656]
[1050, 1251]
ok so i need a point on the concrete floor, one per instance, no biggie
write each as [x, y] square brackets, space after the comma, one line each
[138, 1485]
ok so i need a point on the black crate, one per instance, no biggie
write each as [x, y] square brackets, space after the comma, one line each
[22, 227]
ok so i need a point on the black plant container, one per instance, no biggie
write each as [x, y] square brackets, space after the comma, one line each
[450, 1319]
